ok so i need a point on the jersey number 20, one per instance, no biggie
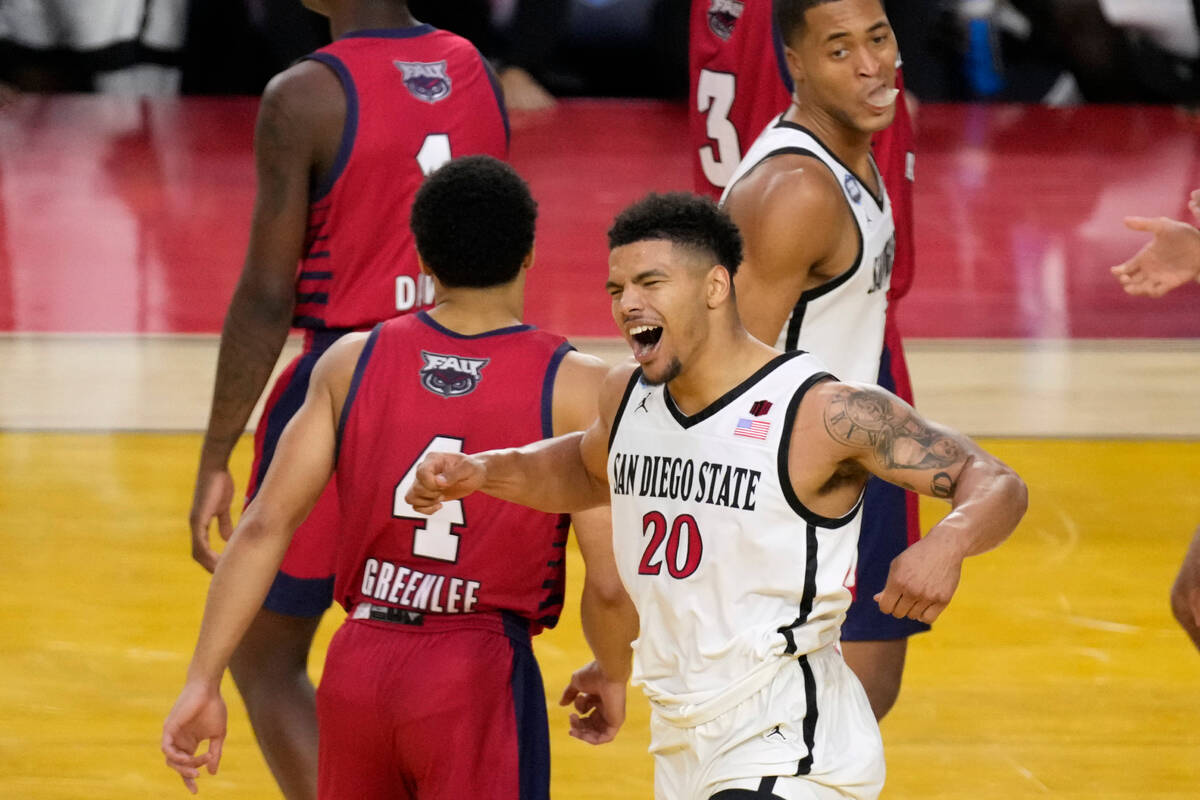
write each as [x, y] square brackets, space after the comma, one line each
[435, 538]
[684, 532]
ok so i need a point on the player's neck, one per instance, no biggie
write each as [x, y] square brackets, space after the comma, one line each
[727, 360]
[852, 146]
[366, 15]
[474, 311]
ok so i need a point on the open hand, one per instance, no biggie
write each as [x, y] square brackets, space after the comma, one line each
[1170, 259]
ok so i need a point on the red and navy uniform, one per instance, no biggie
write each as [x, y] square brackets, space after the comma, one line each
[739, 82]
[415, 97]
[431, 683]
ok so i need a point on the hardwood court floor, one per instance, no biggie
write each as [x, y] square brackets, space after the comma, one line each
[1056, 673]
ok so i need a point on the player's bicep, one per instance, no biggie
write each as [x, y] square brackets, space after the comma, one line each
[887, 437]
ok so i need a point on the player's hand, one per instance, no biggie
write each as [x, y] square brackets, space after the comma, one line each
[599, 701]
[442, 477]
[1170, 259]
[198, 714]
[211, 500]
[922, 579]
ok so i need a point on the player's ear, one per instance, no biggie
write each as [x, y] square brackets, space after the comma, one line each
[794, 65]
[527, 262]
[425, 270]
[718, 286]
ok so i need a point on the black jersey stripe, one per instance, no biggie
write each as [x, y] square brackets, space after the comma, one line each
[809, 726]
[634, 379]
[785, 480]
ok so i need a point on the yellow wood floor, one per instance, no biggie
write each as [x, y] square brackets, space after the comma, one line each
[1057, 672]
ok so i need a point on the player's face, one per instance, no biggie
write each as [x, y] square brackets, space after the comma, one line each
[844, 64]
[658, 302]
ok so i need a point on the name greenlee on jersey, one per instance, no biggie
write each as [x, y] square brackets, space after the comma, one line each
[411, 588]
[673, 478]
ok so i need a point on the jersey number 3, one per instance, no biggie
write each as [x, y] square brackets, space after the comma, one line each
[435, 538]
[714, 98]
[684, 533]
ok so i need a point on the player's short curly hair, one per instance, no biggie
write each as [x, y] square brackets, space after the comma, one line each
[789, 15]
[684, 219]
[474, 219]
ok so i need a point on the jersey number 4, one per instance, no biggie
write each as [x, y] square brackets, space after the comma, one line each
[714, 98]
[435, 538]
[684, 533]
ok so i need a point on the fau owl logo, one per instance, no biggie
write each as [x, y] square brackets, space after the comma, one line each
[723, 15]
[425, 81]
[451, 376]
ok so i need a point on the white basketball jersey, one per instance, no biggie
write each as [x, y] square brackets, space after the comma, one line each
[731, 574]
[842, 320]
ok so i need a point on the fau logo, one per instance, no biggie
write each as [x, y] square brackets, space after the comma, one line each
[451, 376]
[425, 81]
[723, 15]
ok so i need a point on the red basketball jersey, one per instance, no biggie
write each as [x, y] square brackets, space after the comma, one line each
[415, 98]
[418, 388]
[739, 83]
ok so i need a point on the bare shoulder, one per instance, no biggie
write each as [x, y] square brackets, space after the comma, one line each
[616, 384]
[306, 94]
[783, 187]
[577, 387]
[336, 365]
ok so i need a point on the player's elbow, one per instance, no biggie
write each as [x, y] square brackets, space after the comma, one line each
[264, 300]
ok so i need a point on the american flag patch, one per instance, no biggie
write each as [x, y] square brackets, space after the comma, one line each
[752, 428]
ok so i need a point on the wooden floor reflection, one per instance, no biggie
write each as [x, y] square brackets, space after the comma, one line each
[1057, 672]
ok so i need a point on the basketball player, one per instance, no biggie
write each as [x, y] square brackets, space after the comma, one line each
[1169, 260]
[735, 474]
[820, 245]
[430, 688]
[342, 141]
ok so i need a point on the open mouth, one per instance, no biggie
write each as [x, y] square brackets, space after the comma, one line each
[644, 339]
[882, 97]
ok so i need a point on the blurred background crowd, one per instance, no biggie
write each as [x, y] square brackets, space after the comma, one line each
[1058, 52]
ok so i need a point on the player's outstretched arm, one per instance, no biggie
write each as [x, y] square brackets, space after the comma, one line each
[866, 429]
[792, 217]
[295, 107]
[1169, 260]
[561, 475]
[302, 465]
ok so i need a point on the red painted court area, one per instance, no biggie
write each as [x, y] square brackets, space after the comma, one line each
[127, 215]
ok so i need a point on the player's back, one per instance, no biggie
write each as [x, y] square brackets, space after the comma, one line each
[419, 387]
[415, 97]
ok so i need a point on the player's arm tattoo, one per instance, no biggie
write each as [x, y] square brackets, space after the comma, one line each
[867, 418]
